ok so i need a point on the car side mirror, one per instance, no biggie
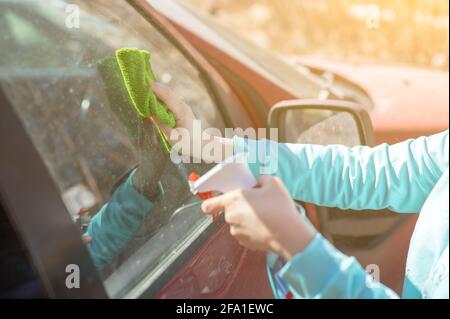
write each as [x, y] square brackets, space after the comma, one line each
[321, 122]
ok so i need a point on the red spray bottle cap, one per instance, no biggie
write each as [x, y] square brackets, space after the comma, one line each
[203, 196]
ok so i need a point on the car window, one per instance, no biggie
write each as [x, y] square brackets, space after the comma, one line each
[116, 179]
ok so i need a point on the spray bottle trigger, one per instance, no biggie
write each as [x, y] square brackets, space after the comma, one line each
[192, 178]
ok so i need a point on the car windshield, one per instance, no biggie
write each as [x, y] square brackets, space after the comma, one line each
[131, 202]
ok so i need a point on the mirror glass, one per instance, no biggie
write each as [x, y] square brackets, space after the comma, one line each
[316, 126]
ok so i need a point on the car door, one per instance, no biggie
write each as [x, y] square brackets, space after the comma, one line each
[81, 148]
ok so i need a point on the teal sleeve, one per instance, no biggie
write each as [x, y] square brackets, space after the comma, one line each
[116, 223]
[398, 177]
[338, 276]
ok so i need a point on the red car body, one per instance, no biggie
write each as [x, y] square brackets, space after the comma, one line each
[407, 101]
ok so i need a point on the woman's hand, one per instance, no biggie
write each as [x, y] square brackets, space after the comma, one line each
[184, 118]
[264, 218]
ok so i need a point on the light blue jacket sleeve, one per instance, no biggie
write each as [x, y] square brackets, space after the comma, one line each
[322, 271]
[398, 177]
[116, 223]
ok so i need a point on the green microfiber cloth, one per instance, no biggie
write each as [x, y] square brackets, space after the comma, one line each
[131, 71]
[119, 100]
[138, 75]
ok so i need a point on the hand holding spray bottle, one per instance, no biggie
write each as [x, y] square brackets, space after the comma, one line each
[231, 174]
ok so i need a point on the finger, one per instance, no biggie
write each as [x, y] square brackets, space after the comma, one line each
[215, 212]
[230, 218]
[215, 205]
[212, 206]
[266, 181]
[234, 231]
[86, 239]
[169, 97]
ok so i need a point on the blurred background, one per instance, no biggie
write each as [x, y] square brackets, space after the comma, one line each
[413, 32]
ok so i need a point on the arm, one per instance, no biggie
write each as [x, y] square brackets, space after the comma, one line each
[398, 177]
[339, 276]
[265, 218]
[117, 222]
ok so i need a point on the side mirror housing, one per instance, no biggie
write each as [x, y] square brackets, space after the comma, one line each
[321, 122]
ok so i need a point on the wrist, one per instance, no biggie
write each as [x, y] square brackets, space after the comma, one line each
[296, 237]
